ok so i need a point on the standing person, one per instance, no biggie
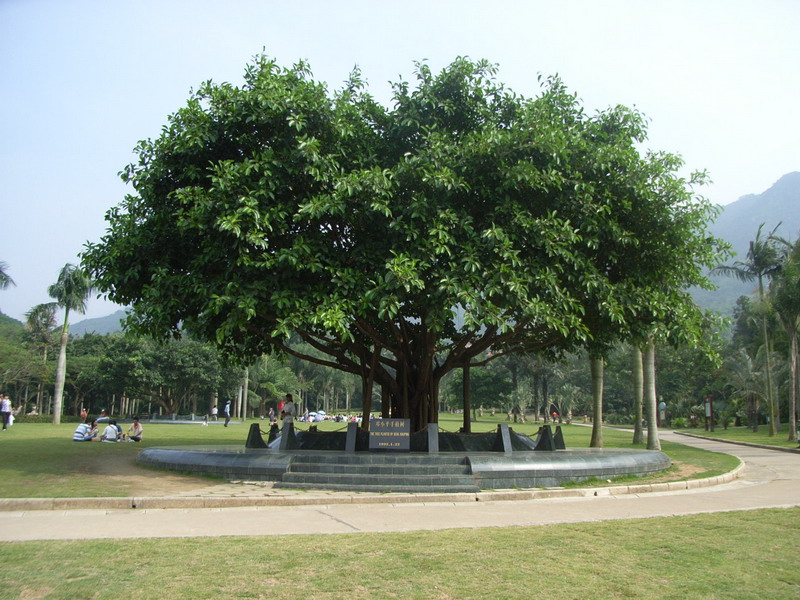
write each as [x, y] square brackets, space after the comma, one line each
[5, 410]
[289, 411]
[227, 412]
[271, 415]
[214, 412]
[86, 431]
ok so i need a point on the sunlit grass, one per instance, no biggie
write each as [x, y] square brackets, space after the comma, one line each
[745, 434]
[742, 555]
[41, 460]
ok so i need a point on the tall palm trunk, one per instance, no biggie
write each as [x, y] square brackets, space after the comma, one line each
[242, 408]
[638, 387]
[596, 365]
[793, 392]
[61, 371]
[771, 404]
[649, 380]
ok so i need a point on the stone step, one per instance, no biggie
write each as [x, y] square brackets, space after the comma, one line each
[407, 488]
[377, 469]
[384, 481]
[362, 458]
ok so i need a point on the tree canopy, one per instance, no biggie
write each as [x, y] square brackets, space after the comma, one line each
[404, 242]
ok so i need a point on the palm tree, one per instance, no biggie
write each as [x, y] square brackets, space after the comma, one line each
[763, 260]
[746, 382]
[70, 291]
[5, 279]
[40, 322]
[785, 296]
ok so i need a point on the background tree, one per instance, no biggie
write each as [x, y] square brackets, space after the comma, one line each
[270, 380]
[5, 278]
[275, 209]
[40, 321]
[785, 299]
[70, 291]
[763, 260]
[747, 383]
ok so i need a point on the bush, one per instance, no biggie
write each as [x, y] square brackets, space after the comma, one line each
[45, 419]
[680, 423]
[619, 419]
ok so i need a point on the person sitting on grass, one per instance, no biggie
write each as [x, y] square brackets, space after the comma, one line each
[86, 431]
[135, 431]
[110, 433]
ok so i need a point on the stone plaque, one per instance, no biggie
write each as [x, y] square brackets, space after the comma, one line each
[390, 434]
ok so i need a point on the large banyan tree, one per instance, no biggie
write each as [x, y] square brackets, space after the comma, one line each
[403, 242]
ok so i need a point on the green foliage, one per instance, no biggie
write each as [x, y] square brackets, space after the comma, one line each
[277, 208]
[490, 387]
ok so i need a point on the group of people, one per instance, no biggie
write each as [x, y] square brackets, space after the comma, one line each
[226, 412]
[88, 432]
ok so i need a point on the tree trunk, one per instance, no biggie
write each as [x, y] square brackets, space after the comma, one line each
[61, 371]
[467, 403]
[638, 392]
[367, 382]
[545, 398]
[242, 410]
[649, 380]
[596, 364]
[793, 392]
[773, 413]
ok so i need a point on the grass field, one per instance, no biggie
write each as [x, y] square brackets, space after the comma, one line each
[743, 556]
[745, 434]
[41, 460]
[740, 555]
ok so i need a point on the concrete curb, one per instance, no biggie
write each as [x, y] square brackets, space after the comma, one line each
[738, 443]
[305, 499]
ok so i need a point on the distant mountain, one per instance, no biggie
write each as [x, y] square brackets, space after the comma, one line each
[738, 223]
[102, 325]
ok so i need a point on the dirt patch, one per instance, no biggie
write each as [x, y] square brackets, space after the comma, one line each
[131, 479]
[678, 472]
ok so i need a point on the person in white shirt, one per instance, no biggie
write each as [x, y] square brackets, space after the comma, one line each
[289, 411]
[5, 410]
[110, 433]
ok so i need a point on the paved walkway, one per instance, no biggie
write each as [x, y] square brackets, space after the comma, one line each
[770, 479]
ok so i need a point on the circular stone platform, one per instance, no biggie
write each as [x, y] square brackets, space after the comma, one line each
[415, 472]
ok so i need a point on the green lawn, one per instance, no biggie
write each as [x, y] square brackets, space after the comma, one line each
[742, 556]
[745, 434]
[41, 460]
[748, 555]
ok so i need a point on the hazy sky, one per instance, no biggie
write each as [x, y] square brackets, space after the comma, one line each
[82, 81]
